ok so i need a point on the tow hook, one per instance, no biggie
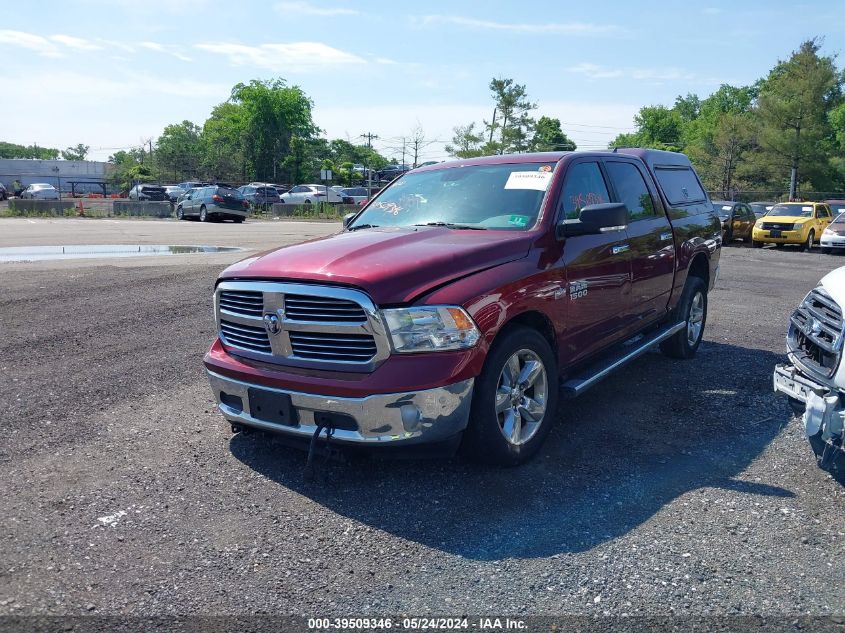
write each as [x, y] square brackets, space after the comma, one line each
[309, 473]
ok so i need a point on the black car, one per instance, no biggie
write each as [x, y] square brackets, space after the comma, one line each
[155, 193]
[213, 203]
[259, 195]
[737, 220]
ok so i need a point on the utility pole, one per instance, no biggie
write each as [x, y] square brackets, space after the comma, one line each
[369, 136]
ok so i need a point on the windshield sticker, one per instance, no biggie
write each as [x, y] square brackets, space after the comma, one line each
[519, 220]
[727, 207]
[546, 168]
[537, 180]
[389, 207]
[806, 208]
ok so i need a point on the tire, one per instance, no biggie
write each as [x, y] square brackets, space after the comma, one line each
[779, 245]
[203, 214]
[307, 201]
[692, 308]
[485, 438]
[808, 245]
[238, 220]
[827, 251]
[180, 215]
[729, 237]
[797, 406]
[757, 244]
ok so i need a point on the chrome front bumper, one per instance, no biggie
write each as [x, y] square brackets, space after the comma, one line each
[419, 417]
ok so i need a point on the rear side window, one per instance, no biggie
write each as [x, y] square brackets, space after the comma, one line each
[584, 185]
[680, 185]
[631, 189]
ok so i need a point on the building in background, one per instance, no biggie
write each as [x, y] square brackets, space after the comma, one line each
[83, 175]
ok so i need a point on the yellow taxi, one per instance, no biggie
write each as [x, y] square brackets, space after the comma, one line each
[799, 223]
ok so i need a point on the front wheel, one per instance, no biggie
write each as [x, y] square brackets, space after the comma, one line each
[756, 244]
[180, 215]
[514, 400]
[307, 202]
[808, 245]
[692, 309]
[826, 251]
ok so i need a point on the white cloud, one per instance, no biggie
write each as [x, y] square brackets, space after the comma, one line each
[30, 41]
[565, 28]
[166, 49]
[77, 43]
[295, 56]
[306, 8]
[594, 71]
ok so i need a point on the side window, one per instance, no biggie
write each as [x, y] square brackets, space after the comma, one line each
[631, 189]
[680, 185]
[584, 185]
[749, 213]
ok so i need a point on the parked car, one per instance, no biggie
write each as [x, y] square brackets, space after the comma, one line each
[392, 171]
[40, 191]
[307, 194]
[800, 223]
[814, 377]
[213, 203]
[4, 195]
[761, 208]
[457, 305]
[737, 220]
[356, 193]
[833, 236]
[259, 195]
[173, 192]
[155, 193]
[184, 187]
[837, 206]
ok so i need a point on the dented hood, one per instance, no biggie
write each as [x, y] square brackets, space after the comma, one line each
[394, 265]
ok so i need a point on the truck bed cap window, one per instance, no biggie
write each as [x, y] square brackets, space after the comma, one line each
[680, 185]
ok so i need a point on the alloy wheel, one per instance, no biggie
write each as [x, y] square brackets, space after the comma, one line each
[521, 396]
[695, 321]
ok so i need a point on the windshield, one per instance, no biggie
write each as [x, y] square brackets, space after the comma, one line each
[792, 210]
[481, 196]
[837, 208]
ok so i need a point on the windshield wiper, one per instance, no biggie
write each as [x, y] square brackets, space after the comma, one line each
[452, 225]
[362, 226]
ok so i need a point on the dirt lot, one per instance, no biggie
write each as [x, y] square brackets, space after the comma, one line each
[673, 487]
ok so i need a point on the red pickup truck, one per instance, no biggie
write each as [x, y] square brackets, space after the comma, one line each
[465, 299]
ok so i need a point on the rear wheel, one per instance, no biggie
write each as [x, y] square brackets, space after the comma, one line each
[692, 308]
[307, 201]
[203, 214]
[180, 215]
[514, 400]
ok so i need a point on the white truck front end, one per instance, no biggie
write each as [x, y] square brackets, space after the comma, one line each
[814, 377]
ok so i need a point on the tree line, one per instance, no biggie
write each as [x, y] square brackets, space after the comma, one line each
[13, 150]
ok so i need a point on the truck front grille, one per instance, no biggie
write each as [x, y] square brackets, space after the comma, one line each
[323, 309]
[243, 302]
[246, 337]
[301, 325]
[350, 347]
[816, 334]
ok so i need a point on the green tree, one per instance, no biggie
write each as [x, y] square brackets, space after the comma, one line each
[77, 152]
[548, 137]
[13, 150]
[793, 108]
[222, 144]
[466, 142]
[658, 127]
[273, 113]
[511, 117]
[179, 150]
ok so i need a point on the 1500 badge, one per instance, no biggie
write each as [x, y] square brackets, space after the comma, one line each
[577, 289]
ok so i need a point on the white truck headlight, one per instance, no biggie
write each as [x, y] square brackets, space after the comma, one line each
[430, 328]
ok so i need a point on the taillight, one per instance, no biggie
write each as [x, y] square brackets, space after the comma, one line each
[246, 204]
[217, 198]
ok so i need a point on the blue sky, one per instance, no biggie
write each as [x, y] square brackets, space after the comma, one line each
[113, 73]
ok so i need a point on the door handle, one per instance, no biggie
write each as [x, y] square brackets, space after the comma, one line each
[665, 236]
[622, 248]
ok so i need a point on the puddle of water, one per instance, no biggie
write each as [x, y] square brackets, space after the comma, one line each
[42, 253]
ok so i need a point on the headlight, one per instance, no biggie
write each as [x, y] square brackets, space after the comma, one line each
[797, 226]
[430, 328]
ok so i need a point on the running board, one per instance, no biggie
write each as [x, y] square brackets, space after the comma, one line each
[577, 385]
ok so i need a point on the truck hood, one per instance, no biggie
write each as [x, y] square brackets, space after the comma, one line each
[393, 265]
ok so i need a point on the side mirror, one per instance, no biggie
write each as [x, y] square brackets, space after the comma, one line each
[348, 218]
[594, 219]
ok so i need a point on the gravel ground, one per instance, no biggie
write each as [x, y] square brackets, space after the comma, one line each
[673, 487]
